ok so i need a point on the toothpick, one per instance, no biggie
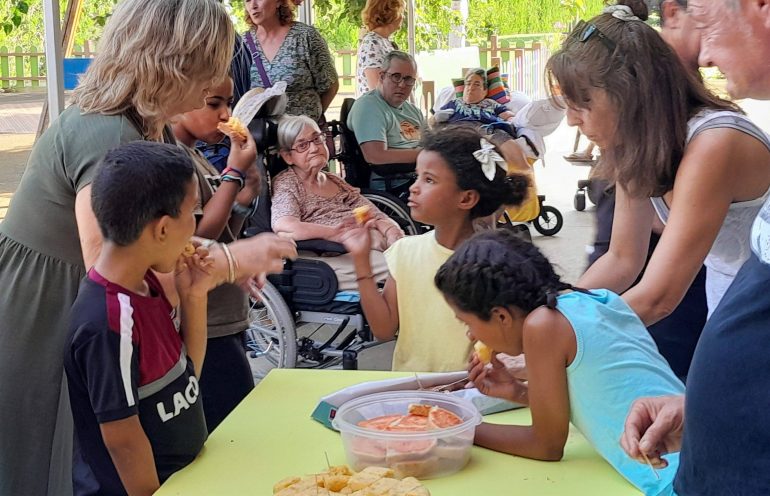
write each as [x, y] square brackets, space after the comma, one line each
[419, 384]
[655, 472]
[328, 465]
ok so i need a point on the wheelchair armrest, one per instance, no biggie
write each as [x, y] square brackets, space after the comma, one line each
[385, 170]
[320, 246]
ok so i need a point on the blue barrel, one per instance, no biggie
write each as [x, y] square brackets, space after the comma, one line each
[73, 69]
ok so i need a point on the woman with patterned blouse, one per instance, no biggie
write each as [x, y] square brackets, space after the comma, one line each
[287, 50]
[382, 18]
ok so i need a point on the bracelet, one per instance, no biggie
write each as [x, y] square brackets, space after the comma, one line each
[231, 263]
[230, 170]
[367, 276]
[227, 178]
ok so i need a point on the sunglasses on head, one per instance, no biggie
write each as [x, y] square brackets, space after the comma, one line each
[584, 31]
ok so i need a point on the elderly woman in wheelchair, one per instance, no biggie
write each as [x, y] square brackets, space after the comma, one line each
[309, 203]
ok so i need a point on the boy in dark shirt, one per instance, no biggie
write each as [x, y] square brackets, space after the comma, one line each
[132, 362]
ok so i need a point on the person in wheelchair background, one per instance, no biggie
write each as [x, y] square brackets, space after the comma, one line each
[387, 126]
[475, 106]
[309, 203]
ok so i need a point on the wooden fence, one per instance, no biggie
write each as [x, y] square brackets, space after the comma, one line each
[20, 67]
[523, 61]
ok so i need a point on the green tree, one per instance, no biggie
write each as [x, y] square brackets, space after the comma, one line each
[338, 20]
[29, 31]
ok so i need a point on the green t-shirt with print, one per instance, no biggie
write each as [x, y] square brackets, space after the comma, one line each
[372, 119]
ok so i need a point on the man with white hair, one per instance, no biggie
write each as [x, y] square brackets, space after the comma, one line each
[723, 426]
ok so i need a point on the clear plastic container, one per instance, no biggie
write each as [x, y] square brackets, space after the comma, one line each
[424, 454]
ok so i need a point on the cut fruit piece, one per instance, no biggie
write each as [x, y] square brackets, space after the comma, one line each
[416, 468]
[363, 214]
[401, 451]
[440, 418]
[189, 249]
[234, 129]
[379, 423]
[409, 423]
[483, 351]
[419, 409]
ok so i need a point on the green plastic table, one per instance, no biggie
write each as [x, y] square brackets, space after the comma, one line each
[270, 435]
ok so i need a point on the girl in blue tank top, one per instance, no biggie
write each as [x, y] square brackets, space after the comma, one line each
[588, 355]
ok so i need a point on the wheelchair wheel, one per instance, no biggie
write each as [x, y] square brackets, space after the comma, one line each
[271, 338]
[549, 222]
[393, 208]
[580, 201]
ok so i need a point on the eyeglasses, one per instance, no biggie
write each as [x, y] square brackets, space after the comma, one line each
[302, 146]
[398, 78]
[585, 31]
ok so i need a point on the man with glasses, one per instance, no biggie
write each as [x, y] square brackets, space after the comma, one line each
[723, 426]
[386, 125]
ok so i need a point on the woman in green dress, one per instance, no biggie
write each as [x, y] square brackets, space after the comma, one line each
[156, 60]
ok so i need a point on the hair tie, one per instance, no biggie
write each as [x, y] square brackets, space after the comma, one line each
[489, 159]
[622, 12]
[550, 298]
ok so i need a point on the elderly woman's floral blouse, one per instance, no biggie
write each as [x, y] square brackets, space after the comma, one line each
[290, 198]
[304, 62]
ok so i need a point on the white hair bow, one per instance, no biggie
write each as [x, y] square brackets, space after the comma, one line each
[489, 159]
[622, 12]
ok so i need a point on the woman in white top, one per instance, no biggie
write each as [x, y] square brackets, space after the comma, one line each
[664, 136]
[382, 18]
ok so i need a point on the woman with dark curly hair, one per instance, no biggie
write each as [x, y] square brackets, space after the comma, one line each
[283, 49]
[588, 355]
[381, 18]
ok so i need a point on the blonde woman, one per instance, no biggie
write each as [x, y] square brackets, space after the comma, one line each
[156, 59]
[382, 18]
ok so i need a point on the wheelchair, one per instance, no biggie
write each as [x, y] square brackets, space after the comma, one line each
[301, 320]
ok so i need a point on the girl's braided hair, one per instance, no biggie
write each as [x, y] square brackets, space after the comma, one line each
[497, 269]
[456, 144]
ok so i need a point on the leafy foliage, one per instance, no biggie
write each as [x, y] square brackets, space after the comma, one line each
[339, 20]
[17, 10]
[434, 19]
[26, 20]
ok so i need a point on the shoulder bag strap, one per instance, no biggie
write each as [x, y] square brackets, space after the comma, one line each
[249, 39]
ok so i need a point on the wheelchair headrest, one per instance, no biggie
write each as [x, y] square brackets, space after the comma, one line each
[347, 104]
[265, 132]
